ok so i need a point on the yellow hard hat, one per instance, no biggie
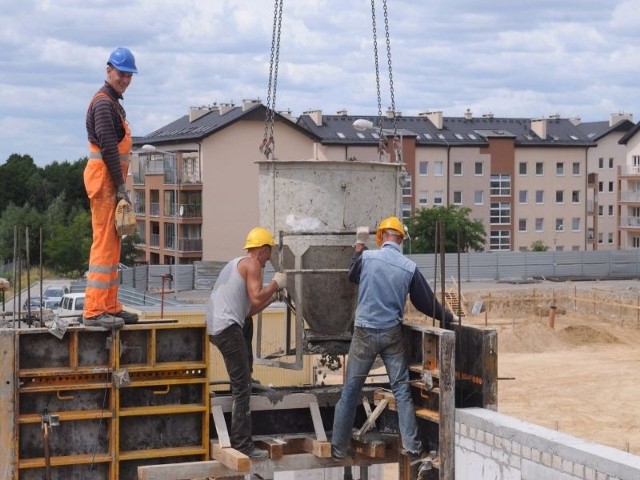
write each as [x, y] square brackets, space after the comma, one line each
[389, 223]
[258, 237]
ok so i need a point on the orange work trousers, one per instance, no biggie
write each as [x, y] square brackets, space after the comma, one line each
[102, 278]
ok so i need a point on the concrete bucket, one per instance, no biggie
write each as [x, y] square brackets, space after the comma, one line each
[313, 208]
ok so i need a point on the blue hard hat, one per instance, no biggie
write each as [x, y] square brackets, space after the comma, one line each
[122, 59]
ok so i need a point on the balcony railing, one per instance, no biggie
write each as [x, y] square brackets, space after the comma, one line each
[190, 244]
[138, 179]
[154, 240]
[633, 222]
[154, 209]
[630, 171]
[191, 210]
[173, 178]
[139, 208]
[630, 196]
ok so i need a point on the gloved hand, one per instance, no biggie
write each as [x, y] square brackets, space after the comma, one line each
[122, 194]
[362, 235]
[456, 318]
[281, 279]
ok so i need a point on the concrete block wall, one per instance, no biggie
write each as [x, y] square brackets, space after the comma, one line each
[492, 446]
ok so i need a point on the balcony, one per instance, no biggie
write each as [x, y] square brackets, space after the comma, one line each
[154, 240]
[630, 171]
[190, 210]
[190, 244]
[138, 178]
[629, 222]
[139, 208]
[630, 196]
[172, 177]
[154, 209]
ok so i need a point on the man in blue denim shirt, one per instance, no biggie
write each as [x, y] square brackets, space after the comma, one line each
[385, 277]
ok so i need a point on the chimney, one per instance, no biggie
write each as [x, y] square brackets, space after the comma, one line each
[342, 113]
[575, 121]
[434, 117]
[555, 116]
[488, 115]
[248, 103]
[316, 116]
[468, 115]
[226, 107]
[390, 113]
[615, 118]
[539, 127]
[197, 112]
[286, 114]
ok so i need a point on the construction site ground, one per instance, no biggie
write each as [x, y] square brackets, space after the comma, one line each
[581, 377]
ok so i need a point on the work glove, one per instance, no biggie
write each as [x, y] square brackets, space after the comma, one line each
[281, 279]
[122, 194]
[362, 235]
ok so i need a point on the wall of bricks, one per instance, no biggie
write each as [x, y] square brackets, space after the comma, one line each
[493, 446]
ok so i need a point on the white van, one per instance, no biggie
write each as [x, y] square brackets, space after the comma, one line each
[71, 306]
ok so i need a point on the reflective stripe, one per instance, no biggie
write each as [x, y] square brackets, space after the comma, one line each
[102, 269]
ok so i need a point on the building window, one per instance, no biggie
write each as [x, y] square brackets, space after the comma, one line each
[457, 168]
[500, 240]
[501, 185]
[575, 224]
[522, 168]
[406, 210]
[601, 162]
[611, 210]
[610, 238]
[478, 168]
[559, 224]
[559, 196]
[611, 162]
[437, 169]
[423, 197]
[500, 213]
[407, 189]
[437, 197]
[539, 196]
[611, 186]
[522, 196]
[600, 238]
[423, 168]
[600, 187]
[169, 235]
[522, 225]
[635, 242]
[600, 210]
[539, 224]
[457, 198]
[559, 168]
[575, 196]
[539, 168]
[576, 168]
[478, 197]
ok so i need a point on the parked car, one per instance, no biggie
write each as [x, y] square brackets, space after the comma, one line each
[55, 293]
[51, 304]
[32, 303]
[71, 306]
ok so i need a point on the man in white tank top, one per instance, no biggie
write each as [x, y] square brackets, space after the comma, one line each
[237, 294]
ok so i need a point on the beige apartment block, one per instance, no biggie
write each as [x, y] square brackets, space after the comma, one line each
[548, 180]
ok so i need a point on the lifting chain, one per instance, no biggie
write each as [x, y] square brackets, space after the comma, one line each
[268, 144]
[382, 146]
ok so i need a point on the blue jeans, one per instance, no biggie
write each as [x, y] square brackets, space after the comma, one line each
[365, 345]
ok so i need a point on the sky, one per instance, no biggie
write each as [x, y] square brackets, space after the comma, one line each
[511, 58]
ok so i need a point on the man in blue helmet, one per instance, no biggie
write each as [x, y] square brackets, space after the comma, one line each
[104, 179]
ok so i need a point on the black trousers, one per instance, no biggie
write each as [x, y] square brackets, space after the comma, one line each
[234, 344]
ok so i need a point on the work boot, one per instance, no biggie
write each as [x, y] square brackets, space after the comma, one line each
[128, 317]
[104, 320]
[338, 453]
[256, 453]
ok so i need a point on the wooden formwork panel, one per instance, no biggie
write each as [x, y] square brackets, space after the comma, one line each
[117, 401]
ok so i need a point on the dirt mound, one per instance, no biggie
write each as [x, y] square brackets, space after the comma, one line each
[529, 336]
[576, 335]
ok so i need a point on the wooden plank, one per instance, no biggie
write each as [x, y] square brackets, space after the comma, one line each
[262, 402]
[8, 388]
[273, 446]
[321, 435]
[428, 414]
[371, 450]
[371, 421]
[309, 445]
[230, 457]
[221, 426]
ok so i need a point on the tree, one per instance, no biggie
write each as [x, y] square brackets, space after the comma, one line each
[68, 246]
[455, 220]
[539, 246]
[20, 217]
[129, 253]
[14, 176]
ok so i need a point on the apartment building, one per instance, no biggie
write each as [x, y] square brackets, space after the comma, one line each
[629, 191]
[604, 162]
[526, 180]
